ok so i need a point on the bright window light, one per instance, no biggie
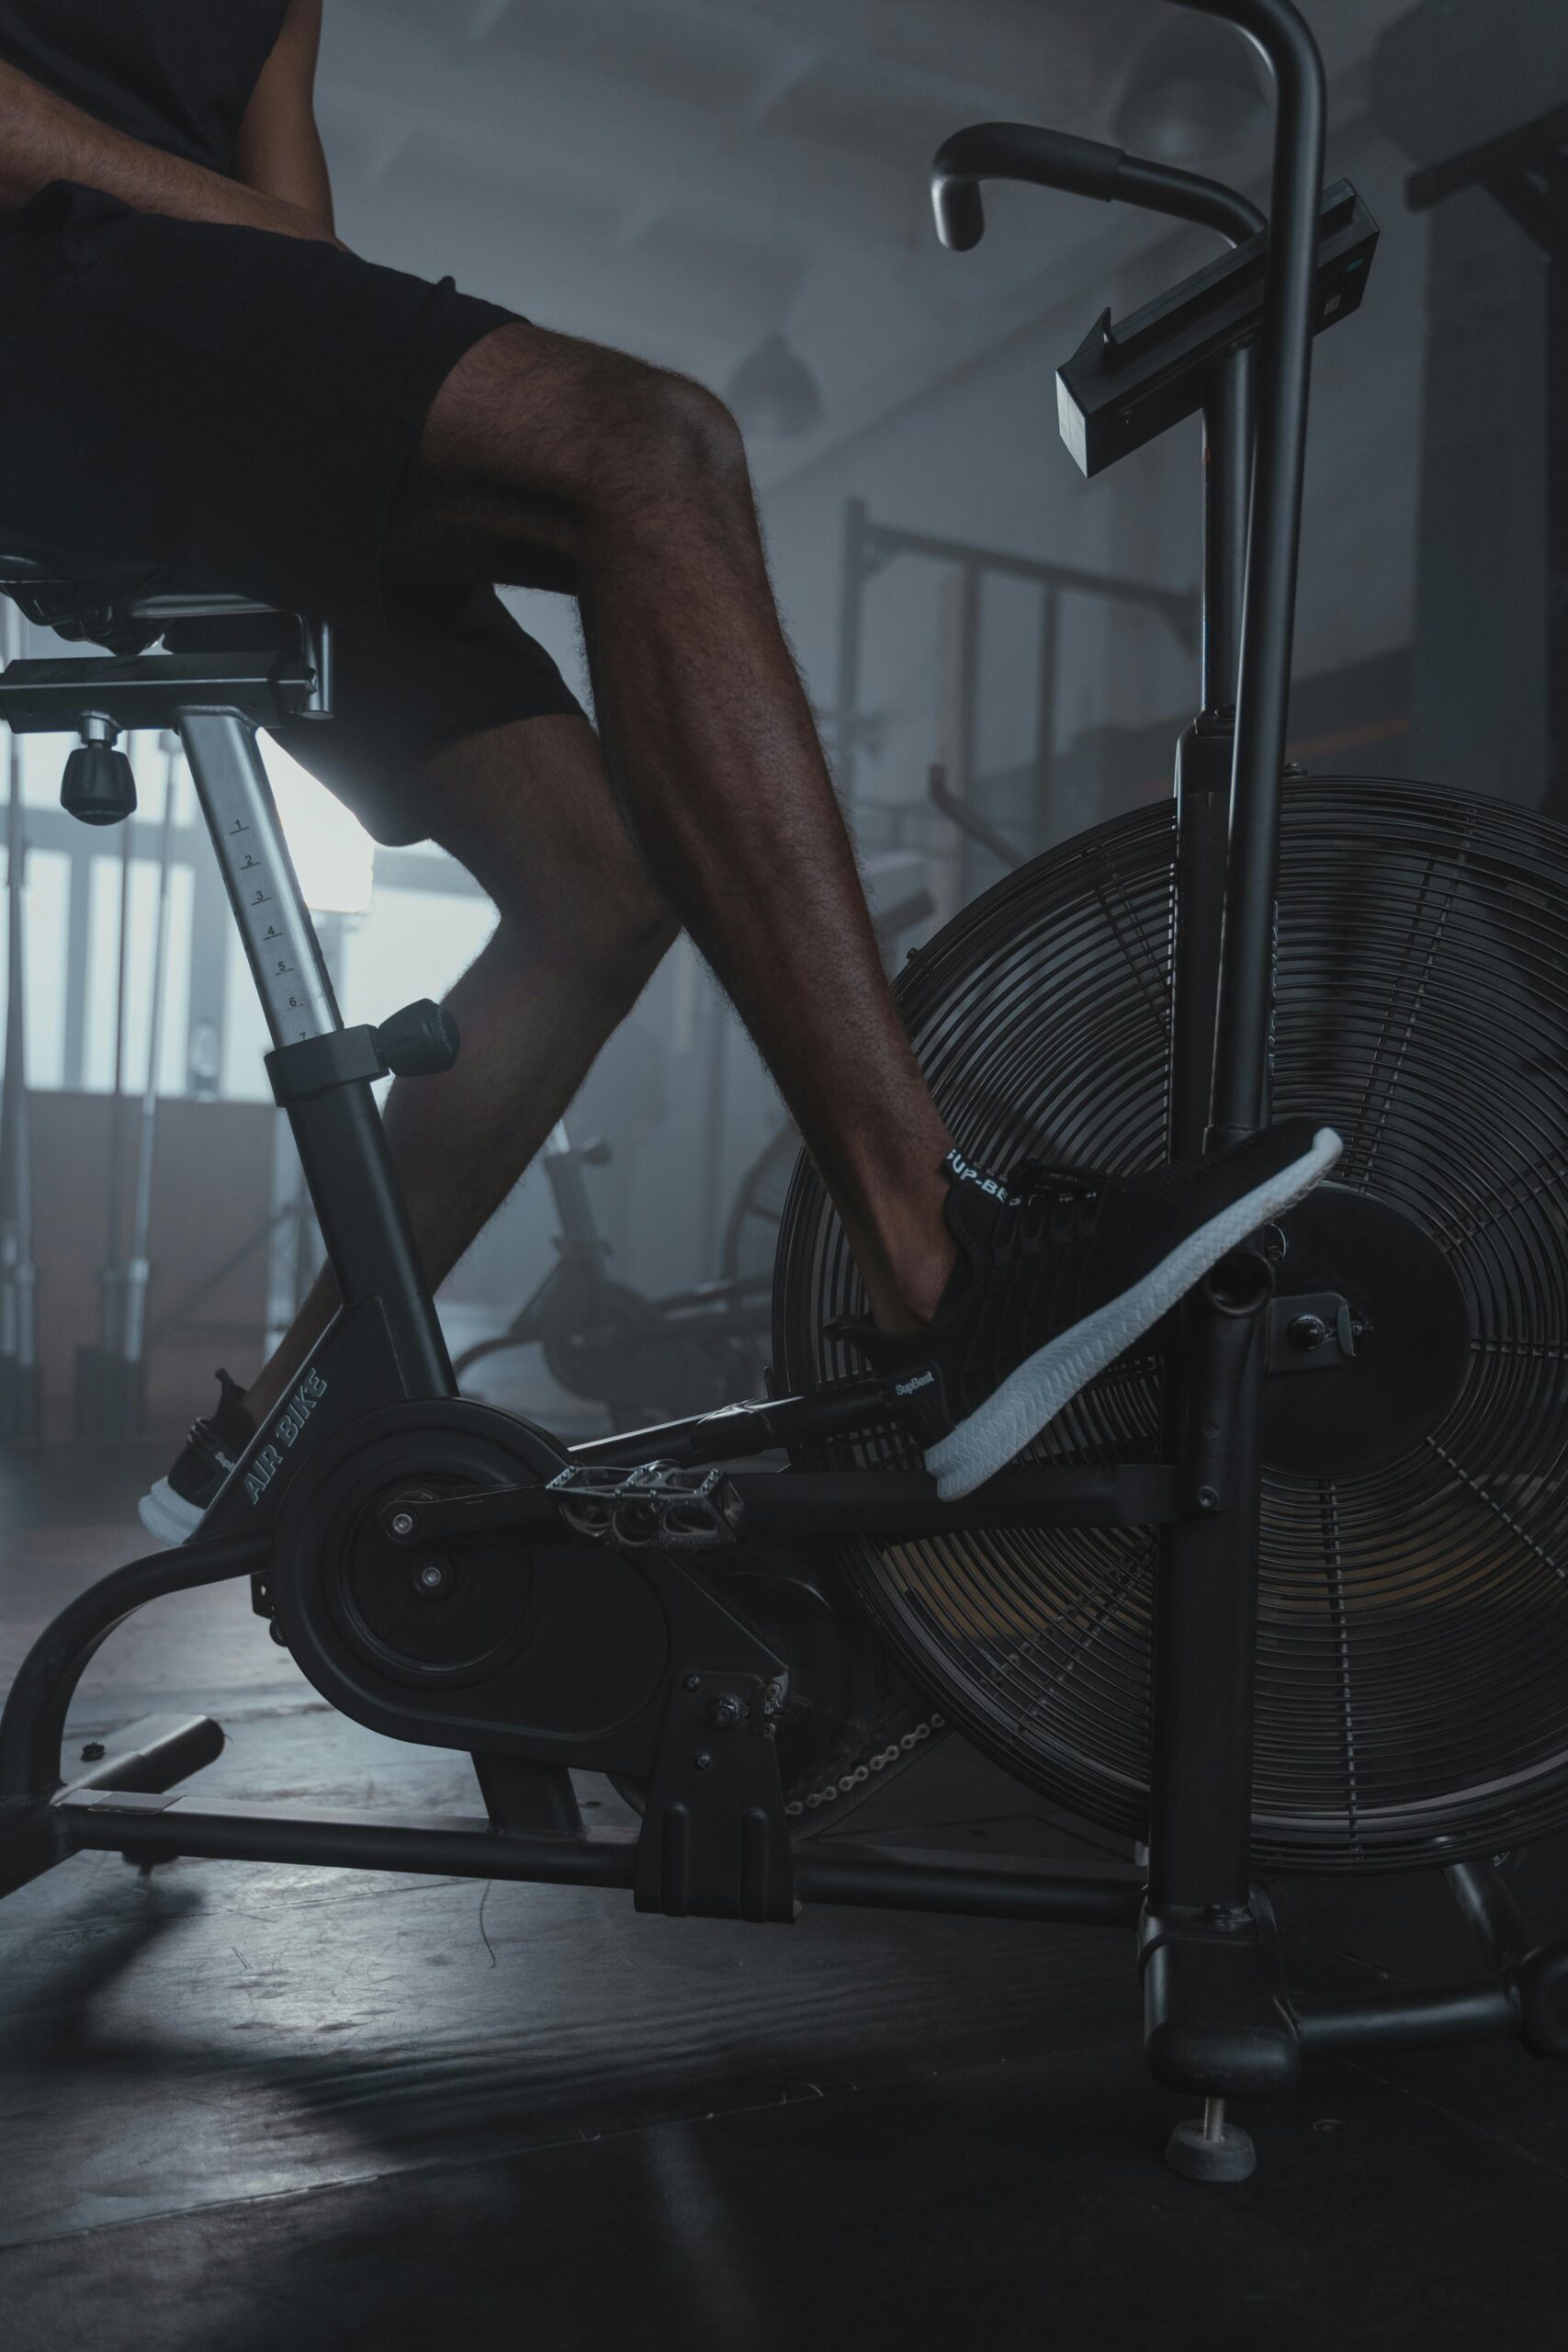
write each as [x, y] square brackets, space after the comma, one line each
[334, 856]
[415, 944]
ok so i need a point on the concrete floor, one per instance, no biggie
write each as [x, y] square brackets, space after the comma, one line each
[260, 2107]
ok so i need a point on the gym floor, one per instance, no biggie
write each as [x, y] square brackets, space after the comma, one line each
[247, 2107]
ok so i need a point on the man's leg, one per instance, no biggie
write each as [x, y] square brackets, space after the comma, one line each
[526, 808]
[540, 451]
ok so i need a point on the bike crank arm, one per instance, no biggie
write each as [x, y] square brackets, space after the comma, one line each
[838, 1409]
[690, 1510]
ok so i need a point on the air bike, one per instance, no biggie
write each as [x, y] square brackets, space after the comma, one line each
[1287, 1591]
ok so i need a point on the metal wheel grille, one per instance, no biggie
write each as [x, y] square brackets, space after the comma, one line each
[1413, 1661]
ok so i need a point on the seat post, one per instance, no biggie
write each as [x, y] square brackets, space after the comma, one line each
[337, 1129]
[275, 930]
[215, 697]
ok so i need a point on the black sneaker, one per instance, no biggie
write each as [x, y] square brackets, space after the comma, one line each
[1060, 1269]
[175, 1506]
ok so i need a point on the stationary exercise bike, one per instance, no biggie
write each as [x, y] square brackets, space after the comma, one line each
[1287, 1590]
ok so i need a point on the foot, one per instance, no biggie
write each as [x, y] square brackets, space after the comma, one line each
[1059, 1271]
[175, 1506]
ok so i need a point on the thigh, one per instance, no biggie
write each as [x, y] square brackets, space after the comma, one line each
[232, 408]
[532, 438]
[479, 745]
[405, 698]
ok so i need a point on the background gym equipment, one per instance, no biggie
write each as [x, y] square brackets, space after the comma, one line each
[945, 801]
[110, 1398]
[690, 1351]
[450, 1576]
[21, 1375]
[642, 1358]
[869, 548]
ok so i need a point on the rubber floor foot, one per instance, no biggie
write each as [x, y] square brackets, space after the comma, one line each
[1204, 2150]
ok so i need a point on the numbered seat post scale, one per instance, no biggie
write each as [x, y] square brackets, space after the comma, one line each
[586, 1621]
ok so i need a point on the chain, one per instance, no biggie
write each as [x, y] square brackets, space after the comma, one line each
[896, 1750]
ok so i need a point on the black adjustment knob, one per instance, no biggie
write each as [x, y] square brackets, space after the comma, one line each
[98, 785]
[419, 1042]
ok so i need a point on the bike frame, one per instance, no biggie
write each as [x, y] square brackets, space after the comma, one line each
[1219, 2016]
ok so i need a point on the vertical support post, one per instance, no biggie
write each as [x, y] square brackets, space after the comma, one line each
[21, 1417]
[1206, 1595]
[1284, 366]
[957, 690]
[1045, 720]
[110, 1277]
[1228, 423]
[209, 972]
[852, 607]
[138, 1264]
[563, 1166]
[78, 945]
[968, 696]
[1214, 2006]
[338, 1132]
[1556, 801]
[1205, 756]
[275, 931]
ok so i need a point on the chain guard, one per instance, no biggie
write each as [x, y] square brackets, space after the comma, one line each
[495, 1646]
[849, 1719]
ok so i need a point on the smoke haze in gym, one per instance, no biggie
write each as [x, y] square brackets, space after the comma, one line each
[741, 192]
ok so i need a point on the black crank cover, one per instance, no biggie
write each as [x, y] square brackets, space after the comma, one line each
[497, 1644]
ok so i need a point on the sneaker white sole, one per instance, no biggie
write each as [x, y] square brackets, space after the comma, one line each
[168, 1516]
[1036, 1390]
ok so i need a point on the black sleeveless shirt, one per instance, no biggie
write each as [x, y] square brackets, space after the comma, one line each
[175, 74]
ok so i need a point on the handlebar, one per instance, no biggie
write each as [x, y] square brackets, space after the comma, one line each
[1021, 151]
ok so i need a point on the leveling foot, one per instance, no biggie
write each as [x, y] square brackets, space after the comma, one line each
[1208, 2148]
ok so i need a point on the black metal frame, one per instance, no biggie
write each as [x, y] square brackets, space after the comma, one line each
[698, 1729]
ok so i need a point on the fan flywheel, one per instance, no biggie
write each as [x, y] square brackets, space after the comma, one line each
[1413, 1640]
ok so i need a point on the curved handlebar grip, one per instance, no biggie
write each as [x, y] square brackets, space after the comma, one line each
[1011, 150]
[1021, 151]
[959, 214]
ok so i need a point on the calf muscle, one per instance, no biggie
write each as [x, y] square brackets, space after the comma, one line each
[543, 452]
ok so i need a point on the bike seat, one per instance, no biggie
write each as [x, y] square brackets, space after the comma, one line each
[109, 604]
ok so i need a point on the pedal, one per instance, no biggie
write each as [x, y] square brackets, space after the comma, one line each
[680, 1510]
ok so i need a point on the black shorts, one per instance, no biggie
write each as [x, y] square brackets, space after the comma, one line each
[237, 409]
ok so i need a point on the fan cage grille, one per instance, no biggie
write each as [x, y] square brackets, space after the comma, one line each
[1411, 1695]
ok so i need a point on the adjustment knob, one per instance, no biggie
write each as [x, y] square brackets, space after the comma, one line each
[419, 1042]
[98, 785]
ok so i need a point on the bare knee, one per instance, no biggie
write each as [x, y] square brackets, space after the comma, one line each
[661, 443]
[692, 432]
[613, 426]
[603, 945]
[583, 905]
[529, 809]
[569, 437]
[627, 937]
